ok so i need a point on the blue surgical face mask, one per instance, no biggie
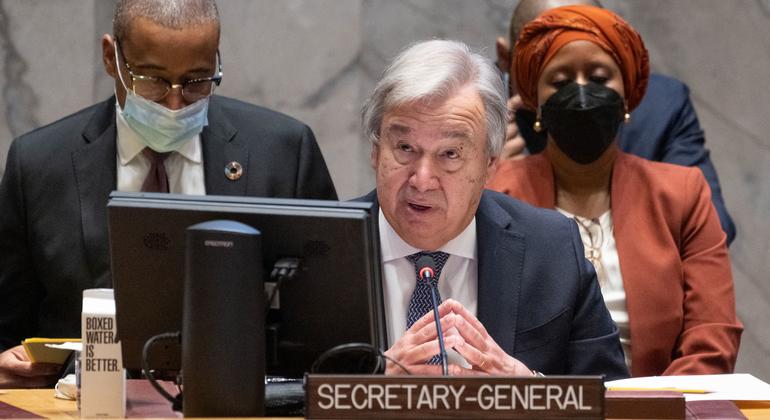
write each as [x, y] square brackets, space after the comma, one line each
[158, 127]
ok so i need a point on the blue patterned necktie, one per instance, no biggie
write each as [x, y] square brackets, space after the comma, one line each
[421, 302]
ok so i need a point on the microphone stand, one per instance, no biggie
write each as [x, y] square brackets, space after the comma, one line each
[439, 332]
[426, 273]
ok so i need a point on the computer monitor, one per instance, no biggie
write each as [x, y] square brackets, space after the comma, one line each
[336, 298]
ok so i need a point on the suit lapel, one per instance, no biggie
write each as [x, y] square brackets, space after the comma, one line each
[219, 149]
[628, 218]
[500, 268]
[95, 174]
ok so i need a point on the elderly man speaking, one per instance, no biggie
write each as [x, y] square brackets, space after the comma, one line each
[518, 296]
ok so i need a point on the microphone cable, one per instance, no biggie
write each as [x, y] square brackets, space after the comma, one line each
[176, 401]
[356, 347]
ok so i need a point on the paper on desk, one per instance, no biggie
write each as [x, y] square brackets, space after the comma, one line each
[70, 345]
[734, 387]
[37, 350]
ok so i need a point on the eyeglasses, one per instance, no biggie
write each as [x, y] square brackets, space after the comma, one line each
[156, 88]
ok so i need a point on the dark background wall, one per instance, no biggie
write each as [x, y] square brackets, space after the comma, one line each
[318, 59]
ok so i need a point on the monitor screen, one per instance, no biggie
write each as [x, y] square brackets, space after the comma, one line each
[336, 298]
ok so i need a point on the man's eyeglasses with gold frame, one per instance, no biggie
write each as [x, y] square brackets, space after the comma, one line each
[156, 88]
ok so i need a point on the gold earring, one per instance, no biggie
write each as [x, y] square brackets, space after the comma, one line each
[538, 127]
[627, 115]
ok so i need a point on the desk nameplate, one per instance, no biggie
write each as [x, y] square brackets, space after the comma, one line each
[420, 397]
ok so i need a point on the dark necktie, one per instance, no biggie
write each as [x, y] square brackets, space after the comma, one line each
[157, 180]
[421, 302]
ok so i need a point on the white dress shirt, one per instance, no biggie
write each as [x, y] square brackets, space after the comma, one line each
[599, 242]
[184, 167]
[458, 279]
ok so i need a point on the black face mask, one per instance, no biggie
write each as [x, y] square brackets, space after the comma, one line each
[583, 119]
[525, 121]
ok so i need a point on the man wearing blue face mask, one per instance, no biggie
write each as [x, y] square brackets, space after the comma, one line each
[163, 131]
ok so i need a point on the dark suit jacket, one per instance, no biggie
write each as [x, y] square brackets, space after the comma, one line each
[665, 128]
[53, 197]
[538, 297]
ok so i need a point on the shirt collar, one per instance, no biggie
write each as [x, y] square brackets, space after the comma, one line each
[393, 247]
[130, 145]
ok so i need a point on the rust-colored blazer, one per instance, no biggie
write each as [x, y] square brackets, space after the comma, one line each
[673, 258]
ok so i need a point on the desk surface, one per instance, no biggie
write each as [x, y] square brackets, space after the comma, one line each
[43, 403]
[40, 402]
[755, 409]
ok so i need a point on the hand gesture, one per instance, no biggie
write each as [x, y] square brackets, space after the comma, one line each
[479, 349]
[463, 333]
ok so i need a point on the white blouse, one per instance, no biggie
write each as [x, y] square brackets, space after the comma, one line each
[599, 243]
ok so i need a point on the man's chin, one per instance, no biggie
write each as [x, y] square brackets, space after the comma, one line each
[420, 228]
[423, 237]
[420, 220]
[425, 245]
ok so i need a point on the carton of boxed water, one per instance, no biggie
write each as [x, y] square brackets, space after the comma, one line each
[102, 377]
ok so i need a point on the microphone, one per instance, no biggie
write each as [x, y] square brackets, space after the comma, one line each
[427, 272]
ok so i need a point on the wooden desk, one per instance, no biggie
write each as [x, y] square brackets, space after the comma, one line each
[143, 402]
[755, 409]
[40, 402]
[43, 403]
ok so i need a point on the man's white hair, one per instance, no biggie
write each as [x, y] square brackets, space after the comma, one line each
[174, 14]
[435, 70]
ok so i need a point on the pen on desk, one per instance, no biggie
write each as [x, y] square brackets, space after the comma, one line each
[683, 391]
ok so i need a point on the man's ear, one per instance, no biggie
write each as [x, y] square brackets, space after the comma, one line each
[503, 48]
[108, 56]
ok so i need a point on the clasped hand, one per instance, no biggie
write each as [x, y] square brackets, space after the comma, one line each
[463, 333]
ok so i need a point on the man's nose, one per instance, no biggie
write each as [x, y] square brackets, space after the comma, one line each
[424, 176]
[174, 99]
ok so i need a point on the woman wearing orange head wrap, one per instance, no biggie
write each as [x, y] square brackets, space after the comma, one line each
[649, 228]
